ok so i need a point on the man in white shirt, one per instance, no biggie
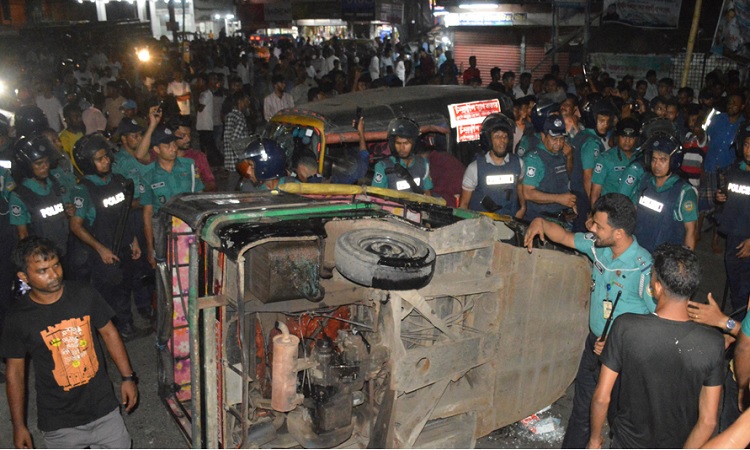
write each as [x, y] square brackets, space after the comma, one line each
[374, 67]
[181, 90]
[50, 105]
[204, 121]
[278, 99]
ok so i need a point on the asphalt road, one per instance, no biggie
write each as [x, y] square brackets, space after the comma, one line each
[152, 427]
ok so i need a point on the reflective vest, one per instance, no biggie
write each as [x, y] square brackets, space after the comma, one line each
[499, 183]
[48, 219]
[418, 171]
[656, 222]
[555, 181]
[735, 218]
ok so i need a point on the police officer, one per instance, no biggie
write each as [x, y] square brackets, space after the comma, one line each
[544, 108]
[404, 170]
[262, 166]
[133, 149]
[102, 223]
[587, 146]
[734, 221]
[37, 204]
[164, 178]
[667, 204]
[546, 185]
[621, 269]
[600, 114]
[491, 182]
[611, 164]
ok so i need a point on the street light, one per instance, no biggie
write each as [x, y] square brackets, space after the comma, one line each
[143, 55]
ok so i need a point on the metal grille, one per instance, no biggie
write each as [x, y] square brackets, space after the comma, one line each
[700, 65]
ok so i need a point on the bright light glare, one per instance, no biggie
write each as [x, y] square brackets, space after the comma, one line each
[3, 87]
[445, 40]
[143, 55]
[230, 16]
[478, 5]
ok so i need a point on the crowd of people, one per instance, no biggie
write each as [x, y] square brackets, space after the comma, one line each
[624, 171]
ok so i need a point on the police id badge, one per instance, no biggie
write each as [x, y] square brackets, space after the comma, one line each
[606, 309]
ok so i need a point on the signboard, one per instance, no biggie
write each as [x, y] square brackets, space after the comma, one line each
[391, 13]
[277, 12]
[636, 65]
[467, 117]
[478, 19]
[643, 13]
[732, 36]
[358, 10]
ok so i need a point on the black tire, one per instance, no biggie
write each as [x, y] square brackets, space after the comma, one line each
[384, 259]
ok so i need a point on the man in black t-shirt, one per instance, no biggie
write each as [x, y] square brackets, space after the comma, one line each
[670, 369]
[56, 323]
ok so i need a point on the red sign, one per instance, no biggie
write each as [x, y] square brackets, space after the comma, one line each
[468, 133]
[472, 112]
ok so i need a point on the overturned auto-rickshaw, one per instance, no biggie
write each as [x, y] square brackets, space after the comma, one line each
[347, 316]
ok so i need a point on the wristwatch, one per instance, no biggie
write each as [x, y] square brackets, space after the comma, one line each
[134, 378]
[730, 325]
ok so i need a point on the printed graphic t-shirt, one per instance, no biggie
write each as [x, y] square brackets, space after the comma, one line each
[72, 385]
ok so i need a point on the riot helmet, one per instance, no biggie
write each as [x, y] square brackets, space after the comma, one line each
[543, 109]
[29, 120]
[658, 125]
[603, 107]
[268, 158]
[496, 122]
[403, 127]
[85, 149]
[29, 150]
[663, 143]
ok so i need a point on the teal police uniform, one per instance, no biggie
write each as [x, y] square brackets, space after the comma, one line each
[631, 180]
[609, 169]
[629, 273]
[380, 177]
[128, 166]
[159, 185]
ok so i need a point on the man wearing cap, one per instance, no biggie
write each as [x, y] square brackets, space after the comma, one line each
[611, 164]
[546, 185]
[164, 178]
[129, 109]
[129, 162]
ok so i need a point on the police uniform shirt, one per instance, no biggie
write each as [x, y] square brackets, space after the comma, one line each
[686, 208]
[159, 185]
[591, 148]
[85, 207]
[631, 180]
[129, 167]
[523, 145]
[19, 213]
[630, 273]
[535, 170]
[609, 168]
[380, 179]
